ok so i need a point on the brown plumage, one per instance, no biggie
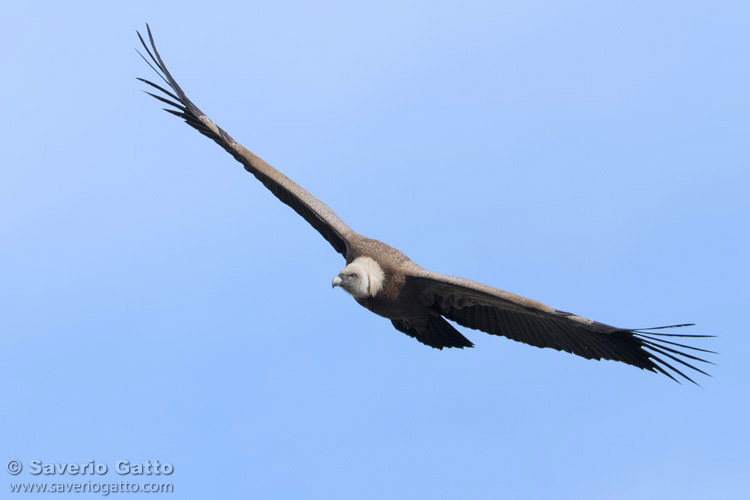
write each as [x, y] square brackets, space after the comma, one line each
[419, 302]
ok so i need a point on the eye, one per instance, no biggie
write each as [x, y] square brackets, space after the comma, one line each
[352, 275]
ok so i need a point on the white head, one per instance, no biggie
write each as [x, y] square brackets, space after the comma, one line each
[362, 278]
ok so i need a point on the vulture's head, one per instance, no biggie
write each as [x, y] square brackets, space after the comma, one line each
[362, 278]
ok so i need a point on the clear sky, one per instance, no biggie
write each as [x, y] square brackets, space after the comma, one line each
[158, 303]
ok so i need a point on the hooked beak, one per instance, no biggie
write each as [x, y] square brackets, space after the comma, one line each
[336, 281]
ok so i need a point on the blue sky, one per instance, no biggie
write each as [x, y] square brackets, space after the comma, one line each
[159, 304]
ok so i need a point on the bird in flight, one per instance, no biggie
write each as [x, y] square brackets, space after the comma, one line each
[419, 302]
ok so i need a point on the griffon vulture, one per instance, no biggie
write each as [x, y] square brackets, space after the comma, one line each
[419, 302]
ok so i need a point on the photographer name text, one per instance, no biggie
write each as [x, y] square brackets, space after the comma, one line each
[92, 467]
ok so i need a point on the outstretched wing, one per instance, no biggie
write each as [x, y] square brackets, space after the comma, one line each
[315, 212]
[494, 311]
